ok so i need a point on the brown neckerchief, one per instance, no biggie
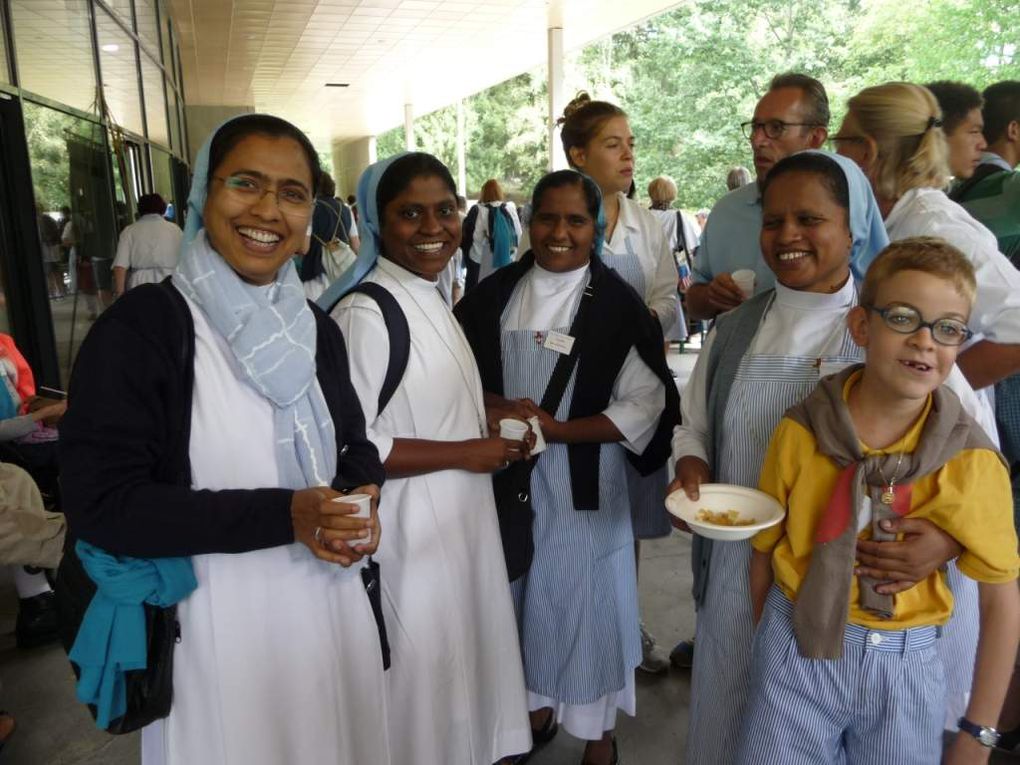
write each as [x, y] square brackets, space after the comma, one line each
[823, 601]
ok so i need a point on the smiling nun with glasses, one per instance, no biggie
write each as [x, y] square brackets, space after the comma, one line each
[213, 422]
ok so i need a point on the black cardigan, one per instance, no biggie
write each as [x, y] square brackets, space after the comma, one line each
[617, 320]
[124, 441]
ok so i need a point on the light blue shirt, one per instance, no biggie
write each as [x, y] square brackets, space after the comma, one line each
[730, 239]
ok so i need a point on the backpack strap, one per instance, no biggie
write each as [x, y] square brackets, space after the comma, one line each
[681, 237]
[399, 333]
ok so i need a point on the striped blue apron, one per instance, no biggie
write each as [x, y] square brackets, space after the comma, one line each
[577, 607]
[647, 494]
[763, 389]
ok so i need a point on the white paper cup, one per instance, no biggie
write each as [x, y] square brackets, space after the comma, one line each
[514, 430]
[536, 428]
[363, 501]
[744, 279]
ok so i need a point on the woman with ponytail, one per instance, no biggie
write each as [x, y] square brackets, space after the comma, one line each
[894, 133]
[597, 141]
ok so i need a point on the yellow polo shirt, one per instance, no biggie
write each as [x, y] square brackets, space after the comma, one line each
[969, 498]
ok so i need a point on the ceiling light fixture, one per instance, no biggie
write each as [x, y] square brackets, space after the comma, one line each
[111, 47]
[338, 84]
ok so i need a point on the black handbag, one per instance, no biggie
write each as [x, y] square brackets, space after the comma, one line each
[512, 485]
[150, 690]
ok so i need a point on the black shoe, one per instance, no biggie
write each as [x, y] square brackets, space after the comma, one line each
[616, 755]
[539, 739]
[37, 621]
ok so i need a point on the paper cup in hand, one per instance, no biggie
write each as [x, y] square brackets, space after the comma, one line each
[536, 428]
[363, 501]
[514, 430]
[744, 279]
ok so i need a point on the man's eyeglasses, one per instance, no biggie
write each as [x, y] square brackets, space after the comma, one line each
[293, 201]
[773, 128]
[907, 320]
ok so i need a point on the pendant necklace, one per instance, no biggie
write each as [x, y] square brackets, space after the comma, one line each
[889, 493]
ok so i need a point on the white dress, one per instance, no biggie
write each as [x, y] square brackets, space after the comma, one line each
[456, 686]
[279, 659]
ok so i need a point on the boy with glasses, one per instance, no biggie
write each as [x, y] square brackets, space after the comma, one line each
[843, 673]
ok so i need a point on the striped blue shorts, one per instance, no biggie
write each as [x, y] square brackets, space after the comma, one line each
[882, 702]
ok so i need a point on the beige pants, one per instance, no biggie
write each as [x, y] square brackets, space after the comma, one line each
[29, 535]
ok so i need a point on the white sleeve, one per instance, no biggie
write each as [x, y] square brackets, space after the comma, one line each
[662, 297]
[368, 354]
[975, 403]
[690, 439]
[123, 257]
[637, 402]
[516, 218]
[480, 233]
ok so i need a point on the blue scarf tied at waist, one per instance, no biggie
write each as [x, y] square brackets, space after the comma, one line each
[112, 639]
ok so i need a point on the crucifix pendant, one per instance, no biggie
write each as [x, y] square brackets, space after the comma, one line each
[889, 495]
[539, 338]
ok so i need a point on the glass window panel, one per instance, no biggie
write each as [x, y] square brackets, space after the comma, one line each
[162, 174]
[120, 74]
[71, 182]
[123, 9]
[175, 125]
[5, 70]
[155, 105]
[164, 33]
[54, 40]
[148, 26]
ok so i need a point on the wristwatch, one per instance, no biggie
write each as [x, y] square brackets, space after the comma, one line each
[986, 736]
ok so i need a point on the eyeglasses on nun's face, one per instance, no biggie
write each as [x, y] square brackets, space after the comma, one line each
[773, 128]
[907, 320]
[293, 199]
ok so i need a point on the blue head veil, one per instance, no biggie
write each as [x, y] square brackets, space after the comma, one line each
[368, 230]
[867, 229]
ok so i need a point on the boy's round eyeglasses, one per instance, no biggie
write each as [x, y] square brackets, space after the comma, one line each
[293, 201]
[907, 320]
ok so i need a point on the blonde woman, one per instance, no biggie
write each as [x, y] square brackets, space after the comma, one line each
[679, 227]
[894, 133]
[491, 233]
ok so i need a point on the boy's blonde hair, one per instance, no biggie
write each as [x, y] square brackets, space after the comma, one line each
[905, 122]
[927, 254]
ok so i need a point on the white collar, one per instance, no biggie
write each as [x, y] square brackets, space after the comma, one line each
[816, 301]
[903, 203]
[556, 281]
[406, 278]
[628, 215]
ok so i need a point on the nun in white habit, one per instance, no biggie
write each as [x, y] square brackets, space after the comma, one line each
[214, 418]
[456, 687]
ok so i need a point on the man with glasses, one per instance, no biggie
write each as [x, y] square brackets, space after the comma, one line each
[792, 116]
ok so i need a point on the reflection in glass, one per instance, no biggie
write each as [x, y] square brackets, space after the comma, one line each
[70, 179]
[162, 175]
[123, 9]
[5, 70]
[175, 126]
[54, 42]
[148, 28]
[120, 74]
[164, 33]
[155, 105]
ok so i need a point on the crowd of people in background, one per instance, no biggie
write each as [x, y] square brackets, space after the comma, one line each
[385, 465]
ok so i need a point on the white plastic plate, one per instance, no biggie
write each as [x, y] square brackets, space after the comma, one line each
[718, 497]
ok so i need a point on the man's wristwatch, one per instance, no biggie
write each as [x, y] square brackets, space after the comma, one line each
[986, 736]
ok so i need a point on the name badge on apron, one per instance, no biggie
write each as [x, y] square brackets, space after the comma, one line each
[557, 341]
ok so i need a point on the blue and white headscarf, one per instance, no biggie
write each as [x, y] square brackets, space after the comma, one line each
[272, 335]
[867, 230]
[368, 229]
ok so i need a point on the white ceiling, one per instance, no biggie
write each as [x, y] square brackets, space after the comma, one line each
[277, 55]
